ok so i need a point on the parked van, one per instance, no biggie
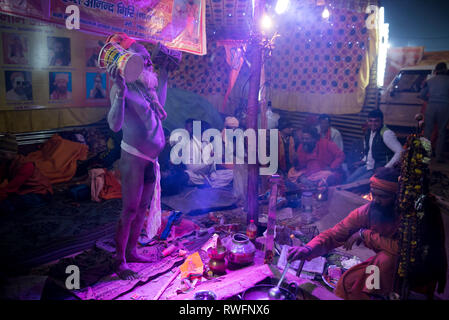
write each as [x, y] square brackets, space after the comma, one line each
[399, 100]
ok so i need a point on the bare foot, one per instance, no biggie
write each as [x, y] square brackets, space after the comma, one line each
[124, 272]
[135, 257]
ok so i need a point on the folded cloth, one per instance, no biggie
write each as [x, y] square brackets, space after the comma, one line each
[179, 229]
[57, 159]
[192, 267]
[112, 188]
[96, 178]
[162, 54]
[104, 185]
[23, 177]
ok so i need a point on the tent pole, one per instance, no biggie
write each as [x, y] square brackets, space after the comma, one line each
[253, 106]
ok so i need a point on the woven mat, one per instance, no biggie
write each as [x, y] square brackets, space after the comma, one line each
[110, 286]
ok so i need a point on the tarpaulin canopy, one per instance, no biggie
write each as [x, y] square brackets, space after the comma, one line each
[182, 105]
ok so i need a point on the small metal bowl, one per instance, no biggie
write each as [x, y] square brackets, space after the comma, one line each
[205, 295]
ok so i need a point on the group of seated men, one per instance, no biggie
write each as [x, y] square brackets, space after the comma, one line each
[204, 175]
[315, 154]
[312, 154]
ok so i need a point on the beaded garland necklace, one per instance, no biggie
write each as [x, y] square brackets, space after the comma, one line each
[413, 190]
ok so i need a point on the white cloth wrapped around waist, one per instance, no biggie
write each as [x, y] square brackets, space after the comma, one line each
[152, 221]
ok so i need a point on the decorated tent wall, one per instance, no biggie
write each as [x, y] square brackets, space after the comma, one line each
[37, 28]
[322, 65]
[316, 66]
[206, 75]
[39, 108]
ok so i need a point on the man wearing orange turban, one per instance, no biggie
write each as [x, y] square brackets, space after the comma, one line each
[376, 225]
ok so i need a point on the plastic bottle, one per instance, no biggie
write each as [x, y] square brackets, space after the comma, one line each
[251, 231]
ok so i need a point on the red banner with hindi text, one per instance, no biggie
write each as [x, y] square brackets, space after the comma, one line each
[179, 24]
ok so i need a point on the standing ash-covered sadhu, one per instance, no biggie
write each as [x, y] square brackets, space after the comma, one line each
[137, 109]
[422, 256]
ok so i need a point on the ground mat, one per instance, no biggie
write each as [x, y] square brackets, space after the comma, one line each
[97, 278]
[200, 200]
[64, 227]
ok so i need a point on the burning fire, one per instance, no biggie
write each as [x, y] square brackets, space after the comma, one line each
[368, 197]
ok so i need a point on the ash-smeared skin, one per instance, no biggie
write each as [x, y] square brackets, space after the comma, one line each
[141, 122]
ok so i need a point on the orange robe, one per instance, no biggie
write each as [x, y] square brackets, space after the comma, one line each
[112, 188]
[379, 237]
[282, 153]
[57, 159]
[23, 178]
[324, 162]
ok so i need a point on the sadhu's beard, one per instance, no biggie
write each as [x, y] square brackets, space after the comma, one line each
[308, 147]
[148, 79]
[382, 213]
[61, 89]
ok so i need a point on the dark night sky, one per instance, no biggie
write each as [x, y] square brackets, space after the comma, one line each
[418, 23]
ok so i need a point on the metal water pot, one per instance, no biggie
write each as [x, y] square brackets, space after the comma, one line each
[241, 250]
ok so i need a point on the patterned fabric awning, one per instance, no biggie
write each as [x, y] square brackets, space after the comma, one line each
[228, 19]
[231, 19]
[316, 65]
[322, 65]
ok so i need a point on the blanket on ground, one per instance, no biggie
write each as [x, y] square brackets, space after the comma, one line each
[57, 159]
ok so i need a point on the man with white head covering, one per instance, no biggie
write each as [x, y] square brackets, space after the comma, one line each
[19, 87]
[239, 171]
[230, 123]
[205, 174]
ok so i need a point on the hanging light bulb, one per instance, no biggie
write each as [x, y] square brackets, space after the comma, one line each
[266, 22]
[281, 6]
[326, 13]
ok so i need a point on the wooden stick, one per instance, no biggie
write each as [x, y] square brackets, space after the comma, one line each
[298, 272]
[271, 223]
[165, 286]
[255, 57]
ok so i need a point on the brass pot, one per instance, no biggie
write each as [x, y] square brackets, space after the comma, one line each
[241, 250]
[217, 266]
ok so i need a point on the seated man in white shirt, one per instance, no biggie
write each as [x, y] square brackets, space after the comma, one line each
[203, 174]
[381, 148]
